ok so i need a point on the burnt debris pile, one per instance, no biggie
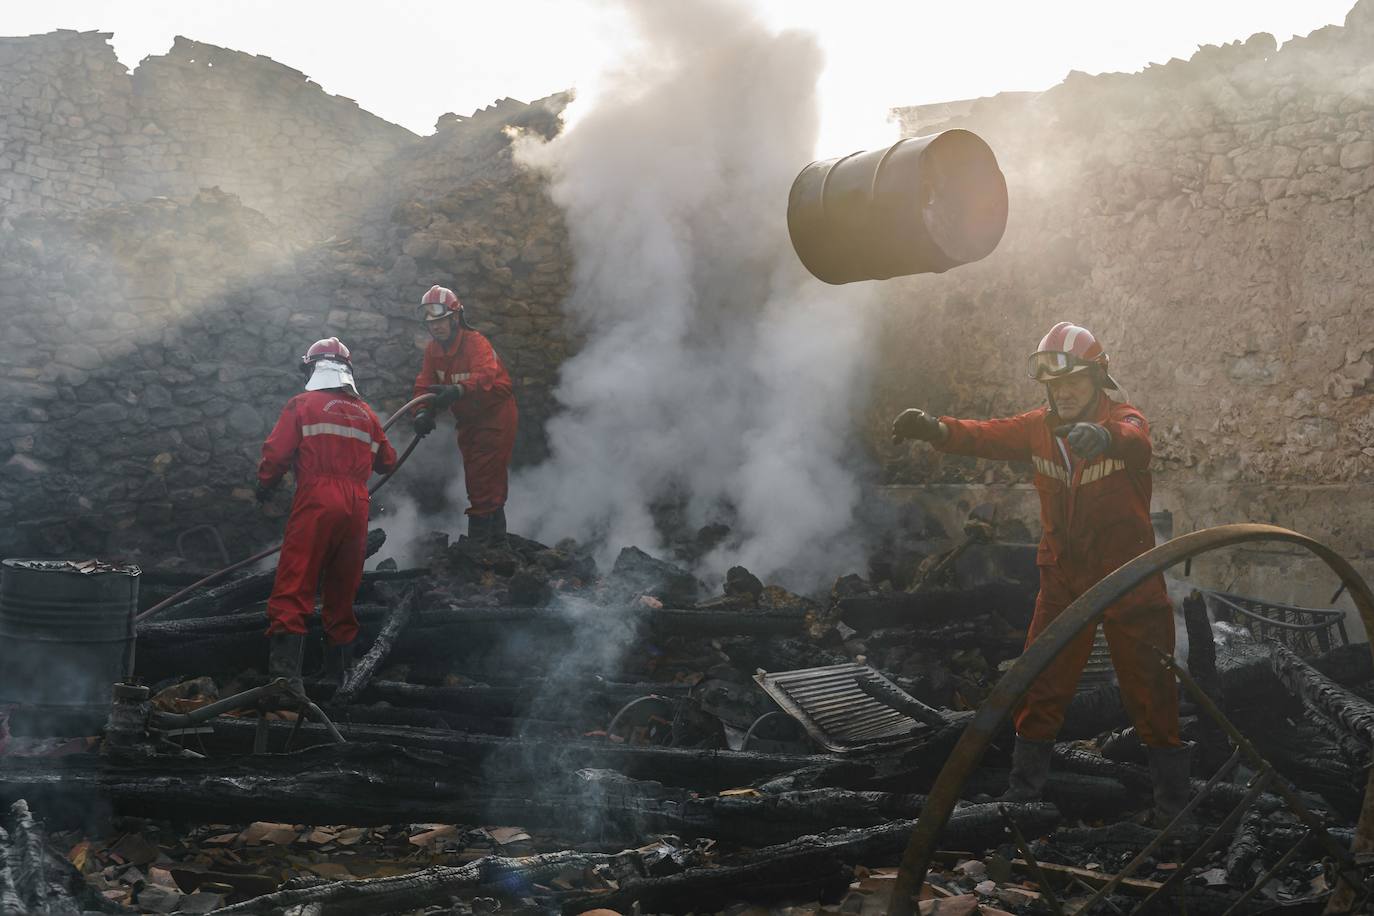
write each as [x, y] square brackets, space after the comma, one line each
[527, 732]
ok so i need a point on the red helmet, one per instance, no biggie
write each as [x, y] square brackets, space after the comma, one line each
[439, 303]
[1068, 349]
[329, 348]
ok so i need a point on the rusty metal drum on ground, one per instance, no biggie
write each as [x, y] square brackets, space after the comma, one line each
[66, 632]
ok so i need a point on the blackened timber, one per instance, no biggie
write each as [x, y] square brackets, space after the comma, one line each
[35, 880]
[1245, 850]
[1202, 665]
[1094, 711]
[356, 678]
[802, 866]
[436, 885]
[245, 589]
[368, 784]
[505, 700]
[534, 758]
[663, 621]
[644, 807]
[1223, 795]
[484, 642]
[1315, 689]
[357, 783]
[1075, 794]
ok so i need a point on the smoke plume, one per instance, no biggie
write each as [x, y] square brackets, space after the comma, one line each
[716, 374]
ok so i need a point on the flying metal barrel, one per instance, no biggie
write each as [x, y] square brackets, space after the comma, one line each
[921, 205]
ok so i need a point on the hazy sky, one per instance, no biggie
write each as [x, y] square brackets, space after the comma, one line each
[411, 60]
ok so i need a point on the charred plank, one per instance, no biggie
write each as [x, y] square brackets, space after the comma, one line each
[358, 676]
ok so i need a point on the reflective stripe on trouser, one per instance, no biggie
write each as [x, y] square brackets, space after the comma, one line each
[325, 545]
[1148, 690]
[486, 453]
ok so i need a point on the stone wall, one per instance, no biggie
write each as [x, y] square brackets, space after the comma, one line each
[156, 303]
[1209, 219]
[209, 116]
[80, 131]
[66, 106]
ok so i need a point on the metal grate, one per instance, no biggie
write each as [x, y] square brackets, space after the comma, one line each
[1307, 631]
[836, 711]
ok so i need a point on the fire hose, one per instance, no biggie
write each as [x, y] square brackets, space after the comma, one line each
[1081, 614]
[216, 576]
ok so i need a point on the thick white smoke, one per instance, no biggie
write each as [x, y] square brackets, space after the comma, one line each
[716, 371]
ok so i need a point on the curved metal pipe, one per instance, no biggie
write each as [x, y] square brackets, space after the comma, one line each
[263, 554]
[1082, 613]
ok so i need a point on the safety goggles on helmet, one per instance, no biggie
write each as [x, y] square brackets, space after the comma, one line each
[1051, 364]
[433, 311]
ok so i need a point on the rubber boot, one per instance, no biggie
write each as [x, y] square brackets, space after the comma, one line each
[338, 661]
[1170, 768]
[497, 534]
[479, 530]
[285, 651]
[1030, 768]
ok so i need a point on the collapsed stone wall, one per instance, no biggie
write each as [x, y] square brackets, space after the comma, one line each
[1209, 220]
[80, 131]
[66, 106]
[150, 347]
[151, 340]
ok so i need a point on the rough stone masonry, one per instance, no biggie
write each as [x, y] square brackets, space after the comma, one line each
[1210, 220]
[197, 219]
[171, 239]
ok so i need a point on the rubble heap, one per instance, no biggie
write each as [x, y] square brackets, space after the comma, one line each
[530, 732]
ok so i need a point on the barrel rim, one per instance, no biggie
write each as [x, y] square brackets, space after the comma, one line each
[14, 563]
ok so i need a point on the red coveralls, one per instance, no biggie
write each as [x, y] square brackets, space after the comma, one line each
[485, 415]
[335, 442]
[1095, 516]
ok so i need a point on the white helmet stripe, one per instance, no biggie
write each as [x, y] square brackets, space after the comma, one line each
[1070, 335]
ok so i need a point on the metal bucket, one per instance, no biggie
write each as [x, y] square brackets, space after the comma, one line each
[66, 631]
[922, 205]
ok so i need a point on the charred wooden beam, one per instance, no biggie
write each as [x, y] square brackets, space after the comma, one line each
[784, 870]
[1354, 713]
[1245, 850]
[245, 589]
[1074, 794]
[483, 642]
[376, 784]
[930, 607]
[432, 886]
[504, 700]
[34, 879]
[1202, 665]
[1094, 711]
[642, 807]
[357, 677]
[486, 619]
[536, 758]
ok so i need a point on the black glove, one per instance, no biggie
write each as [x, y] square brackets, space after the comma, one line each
[444, 395]
[424, 422]
[263, 493]
[1088, 440]
[916, 424]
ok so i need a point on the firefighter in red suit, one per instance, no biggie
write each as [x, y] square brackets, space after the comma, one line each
[1091, 459]
[465, 375]
[334, 442]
